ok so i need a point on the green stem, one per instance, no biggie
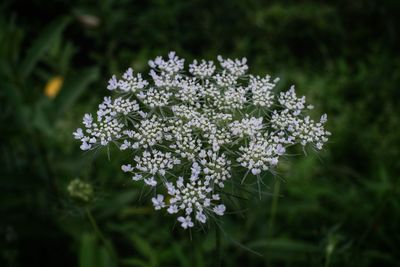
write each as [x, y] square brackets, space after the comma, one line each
[328, 260]
[218, 247]
[273, 209]
[274, 206]
[100, 234]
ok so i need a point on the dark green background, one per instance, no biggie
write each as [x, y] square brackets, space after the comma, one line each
[338, 208]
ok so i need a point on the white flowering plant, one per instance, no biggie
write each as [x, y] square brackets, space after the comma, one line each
[190, 132]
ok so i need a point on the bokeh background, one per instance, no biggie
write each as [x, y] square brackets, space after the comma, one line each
[338, 208]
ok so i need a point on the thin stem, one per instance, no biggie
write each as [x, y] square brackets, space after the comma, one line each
[274, 205]
[193, 250]
[328, 260]
[100, 234]
[218, 247]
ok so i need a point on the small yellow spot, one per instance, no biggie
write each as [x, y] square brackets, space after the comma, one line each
[53, 86]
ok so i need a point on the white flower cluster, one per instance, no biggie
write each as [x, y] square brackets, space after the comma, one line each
[261, 90]
[192, 132]
[261, 154]
[193, 198]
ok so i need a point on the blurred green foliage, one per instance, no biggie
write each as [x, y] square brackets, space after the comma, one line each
[339, 208]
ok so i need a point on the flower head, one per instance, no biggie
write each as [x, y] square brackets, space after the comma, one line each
[192, 133]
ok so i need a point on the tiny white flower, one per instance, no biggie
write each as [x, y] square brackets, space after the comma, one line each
[127, 168]
[324, 118]
[85, 146]
[128, 75]
[172, 209]
[219, 210]
[150, 181]
[112, 83]
[186, 222]
[201, 217]
[280, 150]
[137, 177]
[255, 171]
[78, 134]
[87, 120]
[158, 202]
[135, 145]
[125, 145]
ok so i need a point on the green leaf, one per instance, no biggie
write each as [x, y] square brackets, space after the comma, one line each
[179, 254]
[13, 96]
[42, 44]
[87, 253]
[105, 259]
[144, 248]
[284, 244]
[133, 262]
